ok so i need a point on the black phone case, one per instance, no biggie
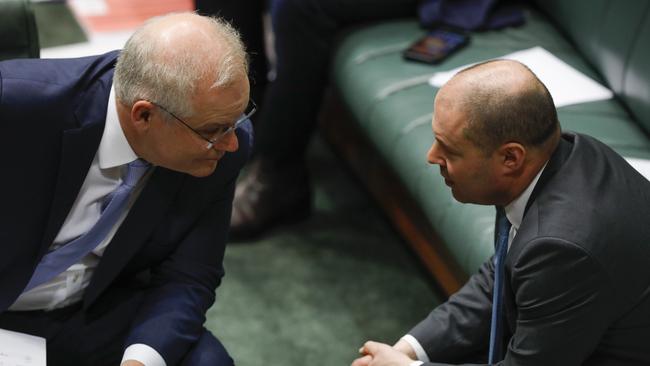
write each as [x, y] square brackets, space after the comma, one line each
[435, 46]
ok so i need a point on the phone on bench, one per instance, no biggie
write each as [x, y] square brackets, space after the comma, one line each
[435, 46]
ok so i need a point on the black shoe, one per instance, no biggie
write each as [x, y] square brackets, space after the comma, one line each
[269, 195]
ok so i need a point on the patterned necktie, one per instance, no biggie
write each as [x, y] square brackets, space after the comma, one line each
[62, 258]
[501, 248]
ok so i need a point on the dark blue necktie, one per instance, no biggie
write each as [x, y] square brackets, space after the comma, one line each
[501, 248]
[62, 258]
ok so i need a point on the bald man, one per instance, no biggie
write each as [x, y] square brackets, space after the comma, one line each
[570, 282]
[117, 198]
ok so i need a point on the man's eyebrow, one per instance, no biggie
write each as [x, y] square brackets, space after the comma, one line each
[445, 145]
[441, 142]
[214, 124]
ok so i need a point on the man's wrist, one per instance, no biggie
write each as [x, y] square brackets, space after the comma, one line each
[132, 363]
[143, 354]
[415, 349]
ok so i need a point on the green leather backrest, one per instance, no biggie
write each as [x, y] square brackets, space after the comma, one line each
[636, 89]
[18, 34]
[614, 36]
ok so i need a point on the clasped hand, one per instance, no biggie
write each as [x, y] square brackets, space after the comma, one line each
[380, 354]
[132, 363]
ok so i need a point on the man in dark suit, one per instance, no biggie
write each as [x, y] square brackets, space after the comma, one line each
[570, 282]
[133, 158]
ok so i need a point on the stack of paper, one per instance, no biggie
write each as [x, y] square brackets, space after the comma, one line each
[19, 349]
[566, 84]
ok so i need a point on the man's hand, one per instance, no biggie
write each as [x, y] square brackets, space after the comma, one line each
[404, 347]
[132, 363]
[379, 354]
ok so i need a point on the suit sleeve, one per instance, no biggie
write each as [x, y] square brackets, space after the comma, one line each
[563, 296]
[459, 328]
[171, 318]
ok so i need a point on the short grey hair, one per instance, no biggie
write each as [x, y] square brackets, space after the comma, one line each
[141, 74]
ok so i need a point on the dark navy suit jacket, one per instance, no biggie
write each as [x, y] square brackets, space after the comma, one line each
[52, 115]
[577, 289]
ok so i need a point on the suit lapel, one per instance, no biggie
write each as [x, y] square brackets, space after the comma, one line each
[555, 163]
[559, 156]
[145, 214]
[78, 148]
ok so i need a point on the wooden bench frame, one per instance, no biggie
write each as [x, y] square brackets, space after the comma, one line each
[341, 131]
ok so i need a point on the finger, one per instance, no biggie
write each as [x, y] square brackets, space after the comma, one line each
[371, 347]
[362, 361]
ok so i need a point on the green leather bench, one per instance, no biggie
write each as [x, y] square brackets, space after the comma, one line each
[18, 33]
[389, 103]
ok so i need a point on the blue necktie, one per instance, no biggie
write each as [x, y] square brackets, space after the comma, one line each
[501, 248]
[62, 258]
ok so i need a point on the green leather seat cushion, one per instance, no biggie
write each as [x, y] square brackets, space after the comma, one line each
[18, 34]
[392, 102]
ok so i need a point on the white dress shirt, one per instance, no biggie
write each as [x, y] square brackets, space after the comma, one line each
[104, 176]
[515, 214]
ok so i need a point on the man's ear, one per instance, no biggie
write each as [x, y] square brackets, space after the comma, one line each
[513, 155]
[141, 113]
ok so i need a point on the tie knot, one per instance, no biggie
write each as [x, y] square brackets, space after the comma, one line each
[134, 171]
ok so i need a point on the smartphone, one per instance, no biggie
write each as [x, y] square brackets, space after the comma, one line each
[435, 46]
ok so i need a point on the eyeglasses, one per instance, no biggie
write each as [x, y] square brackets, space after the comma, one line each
[220, 131]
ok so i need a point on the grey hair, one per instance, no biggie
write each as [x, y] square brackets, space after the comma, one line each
[148, 70]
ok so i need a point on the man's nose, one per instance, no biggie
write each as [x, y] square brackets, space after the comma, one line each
[433, 156]
[228, 142]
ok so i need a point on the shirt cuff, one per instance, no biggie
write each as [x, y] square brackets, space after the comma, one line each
[143, 353]
[416, 363]
[419, 351]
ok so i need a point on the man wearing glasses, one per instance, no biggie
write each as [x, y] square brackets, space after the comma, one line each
[117, 192]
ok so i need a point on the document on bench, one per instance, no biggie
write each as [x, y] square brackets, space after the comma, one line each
[641, 165]
[566, 84]
[20, 349]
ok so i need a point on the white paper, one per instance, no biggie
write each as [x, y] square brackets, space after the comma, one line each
[566, 84]
[641, 165]
[19, 349]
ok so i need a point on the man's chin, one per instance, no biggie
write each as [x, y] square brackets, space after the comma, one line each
[201, 168]
[206, 169]
[458, 197]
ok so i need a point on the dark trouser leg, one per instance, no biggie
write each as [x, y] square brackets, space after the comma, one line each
[245, 16]
[305, 31]
[208, 351]
[276, 189]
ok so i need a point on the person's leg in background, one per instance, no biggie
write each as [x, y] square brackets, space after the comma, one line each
[276, 189]
[247, 17]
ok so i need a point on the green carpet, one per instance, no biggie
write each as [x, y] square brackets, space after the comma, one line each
[312, 293]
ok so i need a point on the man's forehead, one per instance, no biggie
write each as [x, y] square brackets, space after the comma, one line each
[224, 111]
[446, 106]
[234, 95]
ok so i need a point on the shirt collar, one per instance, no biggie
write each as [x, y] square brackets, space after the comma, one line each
[114, 149]
[515, 209]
